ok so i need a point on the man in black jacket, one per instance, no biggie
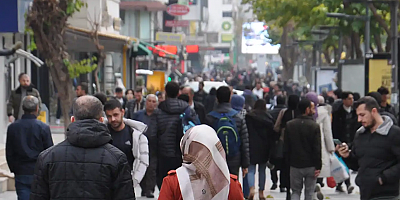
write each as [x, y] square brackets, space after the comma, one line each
[85, 165]
[26, 138]
[197, 106]
[135, 105]
[167, 126]
[243, 158]
[344, 127]
[200, 95]
[303, 147]
[378, 98]
[375, 153]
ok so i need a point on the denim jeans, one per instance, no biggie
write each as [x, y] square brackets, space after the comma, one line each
[23, 186]
[249, 180]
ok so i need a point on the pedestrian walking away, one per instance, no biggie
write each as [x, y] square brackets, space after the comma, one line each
[26, 139]
[85, 165]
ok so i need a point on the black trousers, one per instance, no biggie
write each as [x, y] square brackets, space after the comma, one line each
[58, 114]
[274, 178]
[164, 165]
[148, 182]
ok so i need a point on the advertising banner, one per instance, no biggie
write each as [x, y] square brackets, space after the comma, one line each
[255, 39]
[326, 80]
[378, 72]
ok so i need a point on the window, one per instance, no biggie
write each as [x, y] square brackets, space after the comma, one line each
[226, 14]
[227, 1]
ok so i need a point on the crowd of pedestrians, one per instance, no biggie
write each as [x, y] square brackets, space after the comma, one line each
[194, 145]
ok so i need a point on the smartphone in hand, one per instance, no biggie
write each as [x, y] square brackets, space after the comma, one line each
[337, 142]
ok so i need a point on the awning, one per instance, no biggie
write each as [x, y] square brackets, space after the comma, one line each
[79, 40]
[143, 5]
[142, 51]
[160, 51]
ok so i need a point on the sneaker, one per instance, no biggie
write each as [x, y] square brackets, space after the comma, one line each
[283, 189]
[150, 195]
[350, 189]
[58, 121]
[339, 189]
[274, 186]
[320, 196]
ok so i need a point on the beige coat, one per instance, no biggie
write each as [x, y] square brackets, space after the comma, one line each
[327, 145]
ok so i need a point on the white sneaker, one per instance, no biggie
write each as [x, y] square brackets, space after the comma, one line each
[58, 121]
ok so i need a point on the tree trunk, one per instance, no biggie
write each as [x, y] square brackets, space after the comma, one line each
[64, 88]
[96, 79]
[378, 42]
[289, 54]
[327, 56]
[357, 43]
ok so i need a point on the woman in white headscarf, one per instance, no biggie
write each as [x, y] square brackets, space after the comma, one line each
[204, 174]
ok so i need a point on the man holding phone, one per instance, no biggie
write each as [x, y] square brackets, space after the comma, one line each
[303, 148]
[375, 153]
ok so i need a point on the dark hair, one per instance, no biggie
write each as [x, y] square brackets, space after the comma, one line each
[356, 96]
[172, 89]
[383, 90]
[139, 89]
[112, 104]
[330, 100]
[102, 97]
[127, 91]
[370, 103]
[21, 75]
[280, 100]
[159, 93]
[201, 83]
[84, 87]
[118, 90]
[184, 97]
[224, 94]
[338, 93]
[247, 87]
[346, 94]
[260, 105]
[213, 91]
[303, 105]
[181, 87]
[376, 95]
[87, 107]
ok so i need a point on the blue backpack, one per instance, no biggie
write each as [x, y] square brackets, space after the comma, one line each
[226, 129]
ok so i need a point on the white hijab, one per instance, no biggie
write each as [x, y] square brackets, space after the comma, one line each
[204, 174]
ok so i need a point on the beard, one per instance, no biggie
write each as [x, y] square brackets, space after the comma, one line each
[373, 123]
[116, 124]
[25, 86]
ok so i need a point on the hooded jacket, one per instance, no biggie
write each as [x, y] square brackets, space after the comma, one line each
[140, 150]
[260, 125]
[243, 159]
[377, 155]
[168, 127]
[84, 166]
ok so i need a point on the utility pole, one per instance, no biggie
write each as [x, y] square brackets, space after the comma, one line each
[395, 68]
[367, 29]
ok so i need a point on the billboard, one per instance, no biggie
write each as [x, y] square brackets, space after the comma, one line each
[378, 72]
[255, 39]
[326, 80]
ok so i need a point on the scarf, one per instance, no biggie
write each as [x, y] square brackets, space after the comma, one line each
[204, 173]
[313, 97]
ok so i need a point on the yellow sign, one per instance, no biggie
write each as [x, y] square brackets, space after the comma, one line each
[42, 116]
[226, 37]
[380, 74]
[169, 37]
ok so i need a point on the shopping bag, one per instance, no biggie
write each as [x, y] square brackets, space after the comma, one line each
[341, 160]
[338, 170]
[331, 182]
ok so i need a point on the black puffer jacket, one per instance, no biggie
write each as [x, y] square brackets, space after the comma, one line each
[243, 159]
[260, 125]
[84, 166]
[168, 127]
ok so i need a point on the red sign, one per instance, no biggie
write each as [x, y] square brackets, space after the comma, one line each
[192, 48]
[178, 10]
[173, 23]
